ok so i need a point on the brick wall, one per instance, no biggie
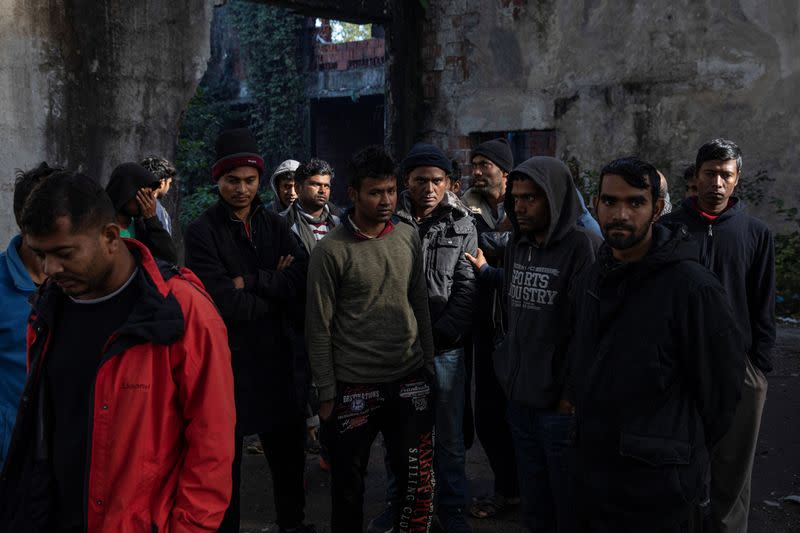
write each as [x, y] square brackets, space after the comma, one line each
[345, 56]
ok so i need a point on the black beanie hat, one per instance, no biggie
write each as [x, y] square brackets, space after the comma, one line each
[125, 182]
[498, 151]
[236, 148]
[425, 155]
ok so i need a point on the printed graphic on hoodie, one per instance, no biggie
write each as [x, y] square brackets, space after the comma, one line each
[530, 287]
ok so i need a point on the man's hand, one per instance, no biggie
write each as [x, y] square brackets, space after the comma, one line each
[284, 262]
[477, 260]
[146, 200]
[565, 408]
[238, 282]
[325, 409]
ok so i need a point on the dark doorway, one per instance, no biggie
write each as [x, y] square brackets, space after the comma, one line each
[340, 127]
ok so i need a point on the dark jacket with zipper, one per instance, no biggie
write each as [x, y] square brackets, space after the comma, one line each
[264, 319]
[152, 234]
[656, 379]
[531, 363]
[162, 417]
[446, 235]
[740, 250]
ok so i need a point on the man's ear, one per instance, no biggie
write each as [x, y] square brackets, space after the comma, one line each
[110, 237]
[595, 201]
[352, 194]
[658, 209]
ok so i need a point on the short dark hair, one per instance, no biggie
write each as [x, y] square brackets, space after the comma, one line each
[284, 176]
[718, 149]
[25, 182]
[161, 167]
[66, 194]
[371, 162]
[314, 167]
[689, 173]
[633, 170]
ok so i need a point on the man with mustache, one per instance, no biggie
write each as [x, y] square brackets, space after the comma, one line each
[255, 272]
[655, 387]
[447, 232]
[312, 216]
[491, 162]
[126, 421]
[739, 249]
[369, 340]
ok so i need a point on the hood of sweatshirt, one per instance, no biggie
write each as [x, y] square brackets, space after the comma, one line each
[554, 178]
[290, 165]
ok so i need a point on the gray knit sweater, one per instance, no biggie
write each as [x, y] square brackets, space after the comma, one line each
[367, 318]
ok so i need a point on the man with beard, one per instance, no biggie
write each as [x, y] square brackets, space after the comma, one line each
[655, 387]
[255, 272]
[739, 249]
[371, 349]
[126, 421]
[491, 162]
[283, 186]
[311, 216]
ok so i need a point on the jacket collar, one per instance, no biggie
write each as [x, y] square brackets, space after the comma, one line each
[16, 268]
[226, 212]
[156, 317]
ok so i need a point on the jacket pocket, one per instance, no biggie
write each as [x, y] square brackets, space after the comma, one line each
[654, 451]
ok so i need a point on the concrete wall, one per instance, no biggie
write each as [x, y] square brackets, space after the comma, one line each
[655, 78]
[90, 84]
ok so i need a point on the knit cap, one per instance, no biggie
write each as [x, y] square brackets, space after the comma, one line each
[125, 182]
[498, 151]
[425, 155]
[236, 148]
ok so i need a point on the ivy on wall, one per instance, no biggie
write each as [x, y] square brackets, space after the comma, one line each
[271, 44]
[271, 50]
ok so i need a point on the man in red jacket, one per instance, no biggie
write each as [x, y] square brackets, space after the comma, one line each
[126, 421]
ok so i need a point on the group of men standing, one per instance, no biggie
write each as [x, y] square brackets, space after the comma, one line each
[619, 375]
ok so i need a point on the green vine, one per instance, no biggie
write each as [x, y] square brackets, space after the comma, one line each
[270, 39]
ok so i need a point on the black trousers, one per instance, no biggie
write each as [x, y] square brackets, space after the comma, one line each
[284, 448]
[491, 424]
[403, 412]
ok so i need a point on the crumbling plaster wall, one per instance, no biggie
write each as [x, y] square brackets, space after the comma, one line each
[655, 78]
[89, 84]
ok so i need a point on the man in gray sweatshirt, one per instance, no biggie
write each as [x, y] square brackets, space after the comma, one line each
[371, 349]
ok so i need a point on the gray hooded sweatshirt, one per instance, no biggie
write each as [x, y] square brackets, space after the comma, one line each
[531, 364]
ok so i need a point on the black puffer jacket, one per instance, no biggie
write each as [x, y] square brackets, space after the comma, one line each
[264, 320]
[446, 235]
[657, 369]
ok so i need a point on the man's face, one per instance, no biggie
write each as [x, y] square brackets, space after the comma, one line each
[427, 186]
[716, 180]
[238, 187]
[286, 191]
[162, 191]
[691, 188]
[79, 262]
[487, 178]
[530, 206]
[625, 213]
[376, 199]
[315, 192]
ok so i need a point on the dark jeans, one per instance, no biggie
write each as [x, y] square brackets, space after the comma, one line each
[284, 448]
[490, 421]
[403, 412]
[541, 440]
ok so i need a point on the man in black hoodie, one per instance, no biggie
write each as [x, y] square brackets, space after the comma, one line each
[655, 387]
[546, 253]
[739, 249]
[255, 271]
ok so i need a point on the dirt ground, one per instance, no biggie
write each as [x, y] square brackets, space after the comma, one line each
[776, 474]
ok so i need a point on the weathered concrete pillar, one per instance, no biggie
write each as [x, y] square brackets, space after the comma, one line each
[89, 84]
